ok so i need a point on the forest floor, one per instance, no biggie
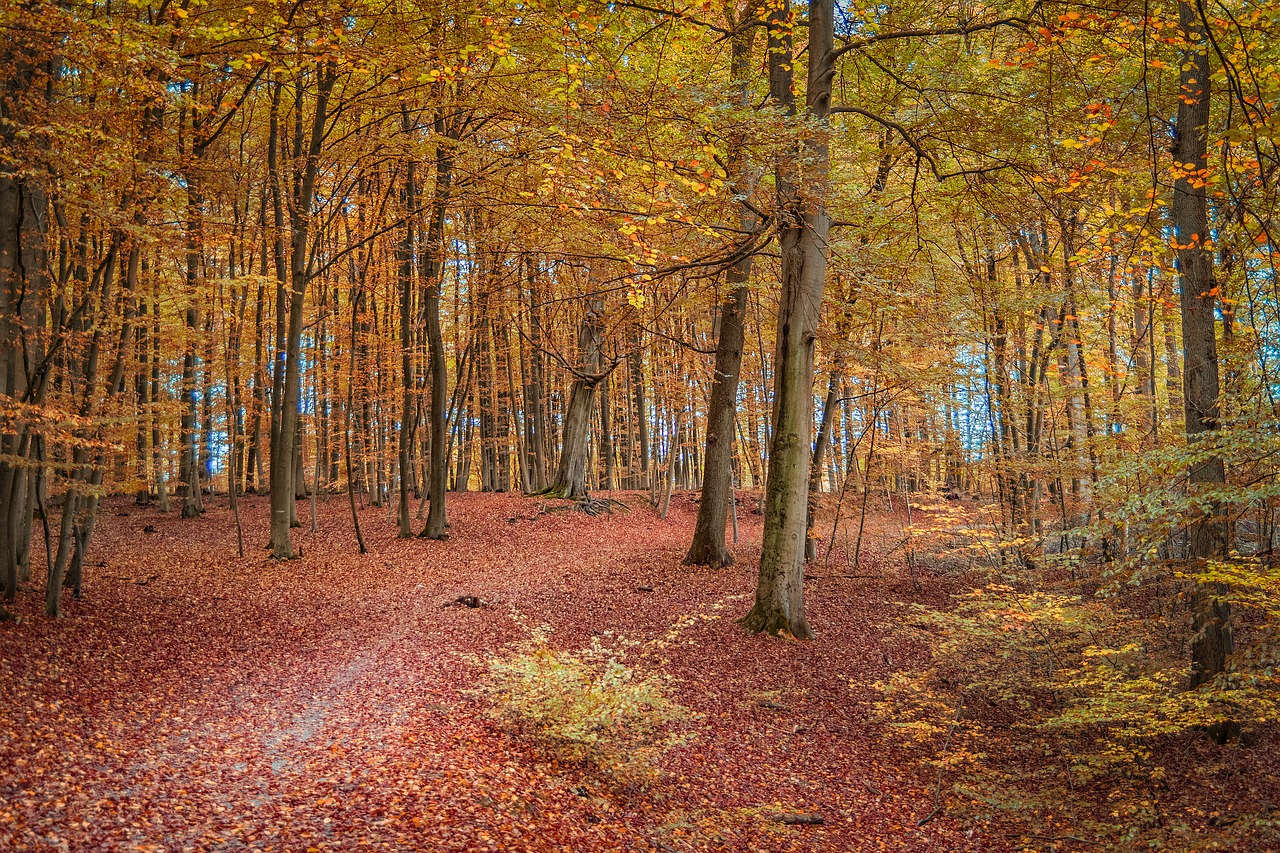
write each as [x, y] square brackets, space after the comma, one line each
[193, 700]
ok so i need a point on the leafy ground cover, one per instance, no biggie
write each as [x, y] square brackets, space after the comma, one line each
[197, 701]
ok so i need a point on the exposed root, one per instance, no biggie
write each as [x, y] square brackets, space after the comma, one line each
[591, 506]
[600, 506]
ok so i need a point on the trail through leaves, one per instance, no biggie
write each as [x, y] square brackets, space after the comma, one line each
[322, 704]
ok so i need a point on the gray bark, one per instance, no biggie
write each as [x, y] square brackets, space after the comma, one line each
[804, 227]
[571, 473]
[282, 445]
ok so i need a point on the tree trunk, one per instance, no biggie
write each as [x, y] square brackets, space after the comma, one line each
[708, 546]
[433, 282]
[804, 228]
[405, 251]
[635, 376]
[815, 467]
[282, 447]
[571, 474]
[1211, 643]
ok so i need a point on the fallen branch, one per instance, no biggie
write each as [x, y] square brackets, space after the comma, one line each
[471, 601]
[798, 819]
[842, 577]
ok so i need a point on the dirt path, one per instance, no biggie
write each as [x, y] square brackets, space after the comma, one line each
[195, 701]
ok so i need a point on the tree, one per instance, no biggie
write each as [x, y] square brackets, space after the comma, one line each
[1211, 642]
[308, 144]
[708, 545]
[571, 472]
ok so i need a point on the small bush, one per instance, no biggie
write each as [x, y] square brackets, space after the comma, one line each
[586, 706]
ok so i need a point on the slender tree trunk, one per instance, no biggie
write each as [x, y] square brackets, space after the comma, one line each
[283, 447]
[635, 374]
[708, 546]
[405, 251]
[189, 473]
[815, 467]
[433, 284]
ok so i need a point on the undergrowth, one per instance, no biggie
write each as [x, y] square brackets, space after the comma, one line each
[1066, 715]
[587, 706]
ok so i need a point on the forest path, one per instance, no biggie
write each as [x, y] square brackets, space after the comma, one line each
[196, 701]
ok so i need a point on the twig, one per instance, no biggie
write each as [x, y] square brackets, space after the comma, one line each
[1052, 839]
[937, 788]
[842, 577]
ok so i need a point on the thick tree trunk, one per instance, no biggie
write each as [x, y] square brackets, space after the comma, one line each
[1211, 643]
[804, 229]
[22, 286]
[571, 473]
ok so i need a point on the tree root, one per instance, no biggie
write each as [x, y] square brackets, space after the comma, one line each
[600, 506]
[591, 506]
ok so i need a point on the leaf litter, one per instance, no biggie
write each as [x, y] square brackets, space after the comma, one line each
[325, 703]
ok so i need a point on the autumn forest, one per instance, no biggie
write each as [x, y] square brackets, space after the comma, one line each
[665, 425]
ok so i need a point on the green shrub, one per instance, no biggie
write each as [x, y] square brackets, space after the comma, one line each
[586, 706]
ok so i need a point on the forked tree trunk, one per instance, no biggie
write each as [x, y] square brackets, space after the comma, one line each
[283, 507]
[804, 227]
[571, 473]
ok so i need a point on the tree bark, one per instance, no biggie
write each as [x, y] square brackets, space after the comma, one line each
[282, 447]
[571, 473]
[433, 283]
[708, 546]
[804, 228]
[405, 252]
[1211, 643]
